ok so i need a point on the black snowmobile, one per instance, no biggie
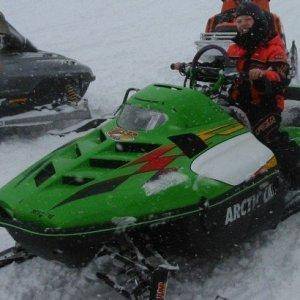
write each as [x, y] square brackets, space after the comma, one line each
[38, 89]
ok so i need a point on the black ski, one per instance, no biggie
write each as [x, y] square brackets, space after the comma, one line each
[81, 127]
[14, 254]
[145, 276]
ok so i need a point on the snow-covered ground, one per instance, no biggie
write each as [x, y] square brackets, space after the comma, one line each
[131, 44]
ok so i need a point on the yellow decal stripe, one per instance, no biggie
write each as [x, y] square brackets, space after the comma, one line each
[220, 130]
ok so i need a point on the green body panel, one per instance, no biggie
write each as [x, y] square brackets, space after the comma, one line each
[294, 133]
[51, 204]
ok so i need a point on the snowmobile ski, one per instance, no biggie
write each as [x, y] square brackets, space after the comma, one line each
[80, 127]
[292, 204]
[14, 254]
[146, 277]
[44, 118]
[221, 298]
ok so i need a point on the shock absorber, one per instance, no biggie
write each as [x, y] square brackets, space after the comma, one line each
[72, 95]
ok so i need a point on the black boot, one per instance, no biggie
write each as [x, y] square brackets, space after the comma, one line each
[287, 153]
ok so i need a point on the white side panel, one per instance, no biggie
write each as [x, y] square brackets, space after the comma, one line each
[233, 161]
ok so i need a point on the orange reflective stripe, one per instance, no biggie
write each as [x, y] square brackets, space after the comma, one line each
[255, 96]
[280, 102]
[272, 76]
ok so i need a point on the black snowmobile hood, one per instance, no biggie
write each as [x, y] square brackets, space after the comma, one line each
[14, 57]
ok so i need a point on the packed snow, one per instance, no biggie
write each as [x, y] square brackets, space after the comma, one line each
[131, 44]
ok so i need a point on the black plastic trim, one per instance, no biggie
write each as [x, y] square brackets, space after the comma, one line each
[189, 143]
[73, 180]
[107, 164]
[135, 147]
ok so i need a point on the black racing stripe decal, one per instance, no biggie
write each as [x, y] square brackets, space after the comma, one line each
[190, 144]
[95, 189]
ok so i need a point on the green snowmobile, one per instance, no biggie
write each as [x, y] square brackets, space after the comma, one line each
[173, 171]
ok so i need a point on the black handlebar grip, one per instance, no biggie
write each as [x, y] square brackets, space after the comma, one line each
[172, 66]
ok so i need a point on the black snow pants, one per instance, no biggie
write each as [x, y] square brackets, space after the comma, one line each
[265, 125]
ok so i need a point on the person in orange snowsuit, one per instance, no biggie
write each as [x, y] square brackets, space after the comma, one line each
[224, 21]
[261, 60]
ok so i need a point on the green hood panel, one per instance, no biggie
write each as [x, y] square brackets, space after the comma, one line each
[113, 172]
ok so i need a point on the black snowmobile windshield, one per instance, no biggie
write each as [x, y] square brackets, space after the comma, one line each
[12, 40]
[136, 118]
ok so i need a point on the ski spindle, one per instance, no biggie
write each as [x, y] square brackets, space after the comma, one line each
[159, 281]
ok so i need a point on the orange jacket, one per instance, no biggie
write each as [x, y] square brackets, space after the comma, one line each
[270, 57]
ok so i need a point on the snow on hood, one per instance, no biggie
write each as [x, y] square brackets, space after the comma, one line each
[164, 182]
[123, 222]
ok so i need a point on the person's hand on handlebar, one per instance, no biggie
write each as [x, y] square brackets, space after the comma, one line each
[178, 66]
[256, 73]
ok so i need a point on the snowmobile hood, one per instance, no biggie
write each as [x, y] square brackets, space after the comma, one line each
[40, 63]
[6, 57]
[22, 72]
[116, 176]
[25, 69]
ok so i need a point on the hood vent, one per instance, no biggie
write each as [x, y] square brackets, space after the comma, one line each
[135, 147]
[77, 150]
[44, 174]
[102, 136]
[73, 180]
[107, 163]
